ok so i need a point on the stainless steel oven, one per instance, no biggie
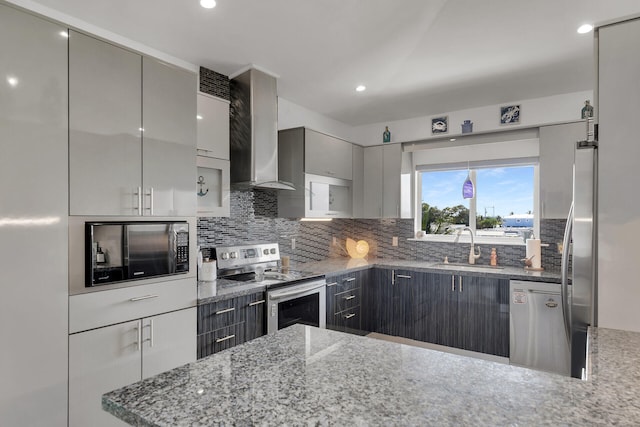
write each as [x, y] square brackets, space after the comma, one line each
[293, 296]
[303, 302]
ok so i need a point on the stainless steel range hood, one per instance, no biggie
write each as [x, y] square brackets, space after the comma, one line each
[254, 131]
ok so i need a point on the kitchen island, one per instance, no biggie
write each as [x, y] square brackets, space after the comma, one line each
[303, 375]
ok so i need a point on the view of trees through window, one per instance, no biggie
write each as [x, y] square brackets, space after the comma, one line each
[503, 200]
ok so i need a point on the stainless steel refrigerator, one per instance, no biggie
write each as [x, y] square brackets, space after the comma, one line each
[579, 255]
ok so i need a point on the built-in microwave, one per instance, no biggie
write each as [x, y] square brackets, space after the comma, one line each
[122, 251]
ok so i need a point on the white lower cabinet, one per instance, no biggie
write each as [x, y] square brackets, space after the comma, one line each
[107, 358]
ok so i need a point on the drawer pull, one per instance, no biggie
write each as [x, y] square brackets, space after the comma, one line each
[453, 283]
[403, 276]
[226, 310]
[331, 284]
[143, 298]
[228, 337]
[349, 316]
[251, 304]
[349, 297]
[351, 279]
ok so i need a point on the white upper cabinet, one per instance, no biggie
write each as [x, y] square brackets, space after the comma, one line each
[105, 118]
[320, 168]
[213, 156]
[358, 181]
[382, 181]
[327, 156]
[213, 126]
[169, 139]
[132, 143]
[557, 144]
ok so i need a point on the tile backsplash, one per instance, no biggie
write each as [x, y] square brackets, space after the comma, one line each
[254, 219]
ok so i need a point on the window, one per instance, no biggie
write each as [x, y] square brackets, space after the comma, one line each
[503, 207]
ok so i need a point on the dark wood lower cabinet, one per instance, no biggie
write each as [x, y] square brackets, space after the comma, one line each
[344, 298]
[466, 312]
[483, 315]
[227, 323]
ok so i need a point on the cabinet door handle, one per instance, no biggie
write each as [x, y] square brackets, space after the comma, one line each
[349, 316]
[453, 283]
[150, 208]
[331, 284]
[351, 279]
[228, 337]
[350, 297]
[226, 310]
[393, 277]
[135, 299]
[403, 276]
[139, 196]
[150, 326]
[460, 282]
[251, 304]
[138, 336]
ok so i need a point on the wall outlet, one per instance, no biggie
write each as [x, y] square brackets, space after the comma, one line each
[293, 243]
[394, 241]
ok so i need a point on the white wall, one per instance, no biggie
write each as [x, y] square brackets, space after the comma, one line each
[292, 115]
[534, 112]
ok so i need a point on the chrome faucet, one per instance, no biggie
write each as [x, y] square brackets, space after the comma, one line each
[472, 254]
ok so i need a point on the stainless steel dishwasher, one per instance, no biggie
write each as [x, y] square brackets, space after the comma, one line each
[538, 338]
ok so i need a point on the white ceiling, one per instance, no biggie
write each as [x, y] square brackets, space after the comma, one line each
[416, 57]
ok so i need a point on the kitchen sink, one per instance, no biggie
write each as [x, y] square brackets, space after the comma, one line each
[461, 266]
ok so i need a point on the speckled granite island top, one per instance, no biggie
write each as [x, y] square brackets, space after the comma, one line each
[308, 376]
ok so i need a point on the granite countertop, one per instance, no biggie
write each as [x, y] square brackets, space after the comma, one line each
[221, 288]
[303, 375]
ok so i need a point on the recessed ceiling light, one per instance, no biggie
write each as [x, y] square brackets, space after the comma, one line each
[361, 88]
[199, 117]
[208, 4]
[584, 29]
[64, 34]
[12, 81]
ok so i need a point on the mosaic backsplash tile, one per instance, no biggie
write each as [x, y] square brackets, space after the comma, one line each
[214, 83]
[254, 219]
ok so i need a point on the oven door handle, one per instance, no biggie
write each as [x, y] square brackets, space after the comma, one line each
[297, 291]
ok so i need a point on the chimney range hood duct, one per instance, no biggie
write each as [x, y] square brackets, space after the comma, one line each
[254, 132]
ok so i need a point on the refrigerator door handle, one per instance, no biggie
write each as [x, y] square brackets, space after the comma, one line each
[566, 242]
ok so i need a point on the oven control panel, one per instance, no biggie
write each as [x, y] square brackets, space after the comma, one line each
[243, 255]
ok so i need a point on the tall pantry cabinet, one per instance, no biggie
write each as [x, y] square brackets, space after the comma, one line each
[33, 220]
[618, 152]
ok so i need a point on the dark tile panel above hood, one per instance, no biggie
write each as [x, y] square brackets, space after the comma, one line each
[213, 83]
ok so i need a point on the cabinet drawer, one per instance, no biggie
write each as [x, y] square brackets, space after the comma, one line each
[348, 299]
[220, 339]
[96, 309]
[342, 283]
[347, 320]
[219, 314]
